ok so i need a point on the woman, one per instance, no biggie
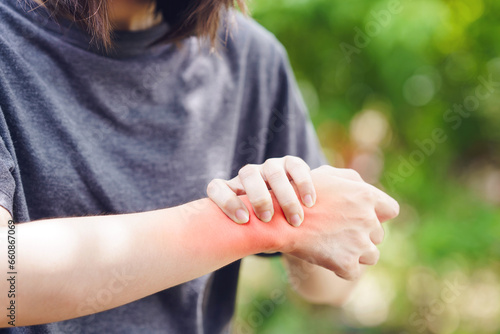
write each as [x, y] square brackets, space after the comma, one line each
[115, 115]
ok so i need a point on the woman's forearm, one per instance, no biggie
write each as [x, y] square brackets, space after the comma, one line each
[64, 265]
[67, 267]
[317, 284]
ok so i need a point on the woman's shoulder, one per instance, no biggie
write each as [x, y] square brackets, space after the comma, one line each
[245, 37]
[18, 24]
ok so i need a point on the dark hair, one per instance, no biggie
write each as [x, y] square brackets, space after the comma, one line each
[185, 17]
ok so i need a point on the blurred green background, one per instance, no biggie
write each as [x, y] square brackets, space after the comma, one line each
[408, 94]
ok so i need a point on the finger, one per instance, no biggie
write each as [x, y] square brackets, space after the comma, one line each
[349, 268]
[283, 190]
[386, 207]
[371, 256]
[235, 185]
[377, 235]
[257, 192]
[219, 192]
[300, 173]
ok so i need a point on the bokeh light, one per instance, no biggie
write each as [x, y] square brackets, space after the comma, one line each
[439, 270]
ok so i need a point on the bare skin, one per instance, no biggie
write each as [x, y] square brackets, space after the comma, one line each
[66, 262]
[130, 15]
[133, 14]
[320, 285]
[291, 181]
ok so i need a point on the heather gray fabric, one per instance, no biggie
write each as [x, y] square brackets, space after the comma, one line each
[84, 133]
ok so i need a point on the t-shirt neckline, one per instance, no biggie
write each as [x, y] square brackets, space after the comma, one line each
[125, 43]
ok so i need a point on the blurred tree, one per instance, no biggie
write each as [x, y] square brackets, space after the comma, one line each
[408, 93]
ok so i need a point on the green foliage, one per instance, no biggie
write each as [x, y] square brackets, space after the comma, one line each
[421, 65]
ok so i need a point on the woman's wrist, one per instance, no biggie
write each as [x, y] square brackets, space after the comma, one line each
[246, 239]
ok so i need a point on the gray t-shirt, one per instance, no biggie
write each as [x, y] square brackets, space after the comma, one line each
[84, 133]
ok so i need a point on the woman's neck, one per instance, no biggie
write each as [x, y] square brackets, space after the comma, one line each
[130, 14]
[133, 14]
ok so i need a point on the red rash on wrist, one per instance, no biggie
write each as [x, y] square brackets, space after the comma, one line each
[224, 238]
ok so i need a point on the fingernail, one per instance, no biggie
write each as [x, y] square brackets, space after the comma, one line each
[242, 216]
[308, 200]
[266, 216]
[295, 220]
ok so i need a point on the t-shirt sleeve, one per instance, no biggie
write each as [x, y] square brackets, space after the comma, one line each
[7, 183]
[290, 130]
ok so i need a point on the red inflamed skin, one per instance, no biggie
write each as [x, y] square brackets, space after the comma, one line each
[66, 263]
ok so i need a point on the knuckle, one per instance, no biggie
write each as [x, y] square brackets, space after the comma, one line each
[371, 219]
[396, 209]
[352, 174]
[344, 275]
[247, 171]
[367, 195]
[274, 160]
[273, 172]
[302, 181]
[376, 239]
[324, 168]
[271, 164]
[347, 264]
[371, 257]
[229, 205]
[354, 275]
[290, 205]
[366, 243]
[376, 254]
[261, 203]
[293, 162]
[378, 236]
[213, 187]
[225, 206]
[366, 219]
[381, 237]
